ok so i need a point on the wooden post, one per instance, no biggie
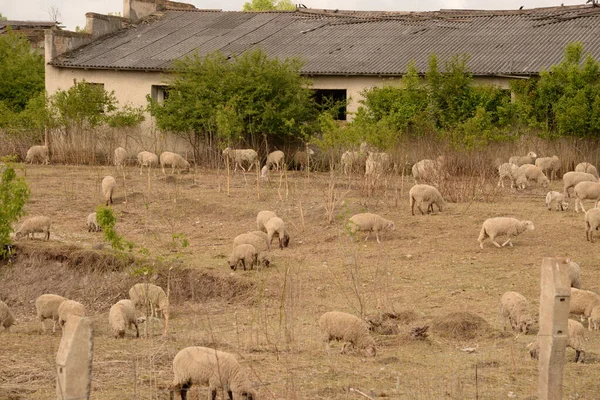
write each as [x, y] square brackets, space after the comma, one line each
[74, 359]
[553, 333]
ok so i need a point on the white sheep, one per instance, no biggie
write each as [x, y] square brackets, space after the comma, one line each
[147, 159]
[377, 163]
[120, 157]
[301, 158]
[576, 337]
[507, 170]
[33, 225]
[348, 328]
[513, 307]
[425, 195]
[274, 226]
[217, 369]
[121, 317]
[260, 243]
[173, 160]
[557, 198]
[69, 308]
[108, 187]
[587, 167]
[92, 223]
[574, 274]
[528, 172]
[511, 227]
[546, 164]
[428, 170]
[570, 179]
[7, 319]
[352, 160]
[521, 160]
[38, 152]
[46, 307]
[260, 234]
[262, 217]
[244, 254]
[276, 158]
[240, 156]
[142, 294]
[370, 223]
[592, 222]
[586, 303]
[586, 191]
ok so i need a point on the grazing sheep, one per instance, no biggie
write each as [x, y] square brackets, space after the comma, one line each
[587, 167]
[239, 156]
[377, 163]
[592, 222]
[528, 172]
[121, 317]
[260, 243]
[574, 274]
[108, 187]
[352, 330]
[558, 198]
[147, 159]
[371, 223]
[521, 160]
[301, 158]
[262, 217]
[276, 158]
[546, 164]
[244, 254]
[120, 158]
[33, 225]
[576, 337]
[154, 296]
[586, 191]
[260, 234]
[7, 319]
[205, 366]
[174, 160]
[352, 160]
[92, 223]
[38, 152]
[428, 170]
[426, 195]
[498, 226]
[46, 307]
[507, 170]
[586, 303]
[513, 307]
[274, 226]
[570, 179]
[68, 308]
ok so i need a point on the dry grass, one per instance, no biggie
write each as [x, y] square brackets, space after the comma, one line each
[429, 267]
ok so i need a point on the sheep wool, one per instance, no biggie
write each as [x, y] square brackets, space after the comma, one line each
[592, 223]
[121, 317]
[69, 308]
[368, 222]
[7, 319]
[507, 170]
[260, 244]
[153, 295]
[120, 157]
[38, 153]
[240, 156]
[427, 196]
[576, 337]
[350, 160]
[513, 307]
[586, 303]
[348, 328]
[274, 226]
[92, 223]
[33, 225]
[548, 164]
[262, 217]
[276, 158]
[575, 274]
[511, 227]
[570, 179]
[46, 307]
[586, 191]
[173, 160]
[521, 160]
[205, 366]
[558, 199]
[244, 254]
[108, 187]
[428, 170]
[528, 172]
[587, 167]
[147, 159]
[301, 158]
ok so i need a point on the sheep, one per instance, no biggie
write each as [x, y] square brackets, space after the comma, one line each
[122, 316]
[428, 170]
[513, 307]
[301, 158]
[260, 234]
[274, 226]
[245, 254]
[521, 160]
[276, 158]
[551, 164]
[239, 156]
[510, 227]
[507, 170]
[558, 198]
[120, 157]
[586, 303]
[259, 243]
[352, 330]
[205, 366]
[587, 167]
[586, 191]
[108, 187]
[574, 274]
[69, 308]
[576, 337]
[262, 217]
[92, 223]
[592, 222]
[426, 195]
[33, 225]
[352, 160]
[371, 223]
[377, 163]
[38, 152]
[527, 172]
[153, 295]
[147, 159]
[7, 319]
[46, 307]
[174, 160]
[570, 179]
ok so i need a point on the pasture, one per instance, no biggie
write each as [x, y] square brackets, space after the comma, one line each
[427, 268]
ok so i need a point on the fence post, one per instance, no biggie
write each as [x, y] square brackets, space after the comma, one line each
[553, 332]
[74, 359]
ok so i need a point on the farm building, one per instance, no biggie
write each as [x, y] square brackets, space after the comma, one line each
[32, 30]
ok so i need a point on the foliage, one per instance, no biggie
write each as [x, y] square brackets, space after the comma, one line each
[107, 221]
[14, 193]
[268, 5]
[2, 17]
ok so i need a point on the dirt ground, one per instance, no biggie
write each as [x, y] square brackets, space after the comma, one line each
[428, 267]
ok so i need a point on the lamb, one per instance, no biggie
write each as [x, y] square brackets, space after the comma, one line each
[33, 225]
[586, 303]
[38, 152]
[7, 319]
[587, 167]
[147, 159]
[259, 243]
[262, 217]
[108, 187]
[546, 164]
[153, 295]
[521, 160]
[301, 158]
[558, 198]
[574, 274]
[120, 157]
[121, 317]
[245, 254]
[205, 366]
[174, 160]
[69, 308]
[46, 307]
[513, 307]
[371, 223]
[426, 195]
[428, 170]
[592, 222]
[352, 330]
[576, 337]
[276, 158]
[507, 170]
[498, 226]
[274, 226]
[570, 179]
[586, 191]
[527, 172]
[92, 223]
[239, 156]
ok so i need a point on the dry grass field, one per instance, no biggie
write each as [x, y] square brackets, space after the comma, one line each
[429, 267]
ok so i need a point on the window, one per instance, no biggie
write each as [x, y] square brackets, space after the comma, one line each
[159, 93]
[332, 97]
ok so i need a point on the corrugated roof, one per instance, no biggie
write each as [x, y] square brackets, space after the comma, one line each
[510, 42]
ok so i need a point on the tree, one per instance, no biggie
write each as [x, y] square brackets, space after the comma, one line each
[268, 5]
[2, 17]
[13, 196]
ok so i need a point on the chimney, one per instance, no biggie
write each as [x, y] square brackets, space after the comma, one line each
[135, 10]
[99, 25]
[59, 42]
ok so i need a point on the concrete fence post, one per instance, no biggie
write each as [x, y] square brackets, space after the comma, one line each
[74, 359]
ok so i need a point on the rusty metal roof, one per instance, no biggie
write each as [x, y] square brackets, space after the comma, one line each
[341, 42]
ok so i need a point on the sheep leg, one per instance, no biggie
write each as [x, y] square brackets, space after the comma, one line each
[230, 394]
[581, 204]
[578, 355]
[493, 240]
[212, 394]
[53, 326]
[508, 241]
[377, 236]
[368, 233]
[137, 330]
